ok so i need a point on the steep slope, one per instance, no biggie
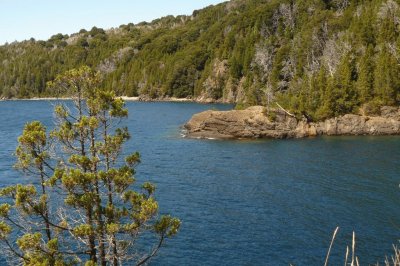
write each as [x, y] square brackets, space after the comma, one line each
[316, 58]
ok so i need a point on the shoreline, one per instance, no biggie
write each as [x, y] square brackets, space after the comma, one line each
[126, 99]
[254, 123]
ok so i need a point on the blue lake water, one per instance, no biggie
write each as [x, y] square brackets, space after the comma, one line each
[269, 202]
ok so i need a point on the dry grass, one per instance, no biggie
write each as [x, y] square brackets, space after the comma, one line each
[394, 260]
[354, 258]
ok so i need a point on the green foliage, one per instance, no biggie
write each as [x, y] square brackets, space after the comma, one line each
[74, 215]
[320, 58]
[5, 230]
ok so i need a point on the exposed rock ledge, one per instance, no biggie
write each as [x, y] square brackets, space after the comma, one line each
[254, 123]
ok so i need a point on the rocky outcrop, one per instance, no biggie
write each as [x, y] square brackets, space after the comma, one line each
[255, 122]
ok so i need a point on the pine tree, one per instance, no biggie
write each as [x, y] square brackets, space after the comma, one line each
[318, 89]
[365, 81]
[342, 94]
[81, 207]
[386, 80]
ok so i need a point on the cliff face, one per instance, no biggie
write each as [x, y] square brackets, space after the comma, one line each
[254, 122]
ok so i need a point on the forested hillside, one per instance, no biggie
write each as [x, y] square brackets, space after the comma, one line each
[314, 57]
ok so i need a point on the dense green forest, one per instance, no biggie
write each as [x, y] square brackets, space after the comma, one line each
[321, 58]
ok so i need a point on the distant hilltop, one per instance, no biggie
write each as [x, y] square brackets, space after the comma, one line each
[316, 58]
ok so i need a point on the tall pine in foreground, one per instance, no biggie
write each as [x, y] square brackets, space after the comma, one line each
[81, 207]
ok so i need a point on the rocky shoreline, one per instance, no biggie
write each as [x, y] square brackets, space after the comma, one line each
[255, 122]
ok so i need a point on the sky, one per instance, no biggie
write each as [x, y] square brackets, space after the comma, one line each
[40, 19]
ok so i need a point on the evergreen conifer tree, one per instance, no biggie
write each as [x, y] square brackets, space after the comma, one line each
[81, 206]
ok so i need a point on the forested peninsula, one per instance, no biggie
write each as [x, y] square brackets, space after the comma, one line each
[316, 58]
